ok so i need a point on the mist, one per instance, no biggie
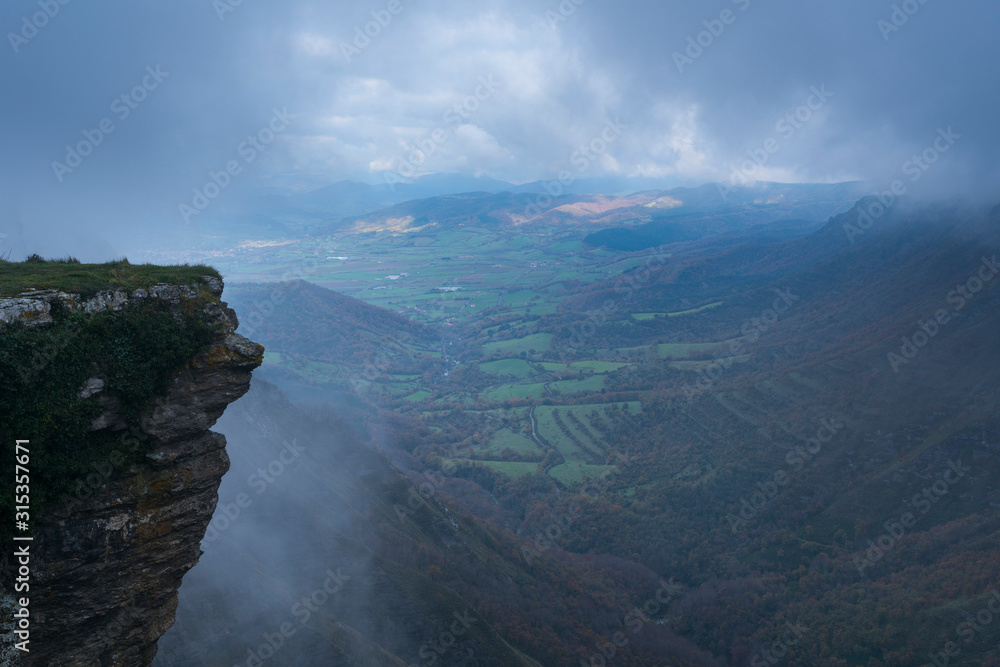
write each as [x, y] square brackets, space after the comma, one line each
[700, 90]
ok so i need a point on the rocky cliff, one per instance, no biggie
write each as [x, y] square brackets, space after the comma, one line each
[109, 556]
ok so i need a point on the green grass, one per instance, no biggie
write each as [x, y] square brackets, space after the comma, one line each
[566, 246]
[549, 430]
[590, 434]
[88, 279]
[592, 443]
[590, 385]
[553, 367]
[508, 391]
[573, 473]
[418, 396]
[517, 367]
[399, 389]
[485, 260]
[507, 439]
[535, 342]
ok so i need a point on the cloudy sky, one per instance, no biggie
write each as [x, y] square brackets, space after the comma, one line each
[818, 91]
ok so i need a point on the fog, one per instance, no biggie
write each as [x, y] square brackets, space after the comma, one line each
[160, 97]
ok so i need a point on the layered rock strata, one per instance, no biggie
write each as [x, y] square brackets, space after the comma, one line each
[107, 564]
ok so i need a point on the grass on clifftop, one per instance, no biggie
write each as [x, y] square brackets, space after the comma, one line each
[87, 280]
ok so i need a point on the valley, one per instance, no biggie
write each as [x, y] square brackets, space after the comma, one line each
[721, 411]
[486, 291]
[501, 334]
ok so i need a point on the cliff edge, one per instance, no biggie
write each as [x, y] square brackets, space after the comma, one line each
[111, 546]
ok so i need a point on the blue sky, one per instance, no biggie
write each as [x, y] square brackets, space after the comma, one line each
[806, 90]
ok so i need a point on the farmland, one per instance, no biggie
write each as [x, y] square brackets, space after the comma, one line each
[529, 408]
[435, 274]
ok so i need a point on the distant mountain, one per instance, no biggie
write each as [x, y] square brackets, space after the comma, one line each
[604, 185]
[281, 213]
[394, 190]
[649, 218]
[716, 208]
[494, 209]
[350, 198]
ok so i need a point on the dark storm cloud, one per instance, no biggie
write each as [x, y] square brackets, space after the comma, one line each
[701, 87]
[897, 71]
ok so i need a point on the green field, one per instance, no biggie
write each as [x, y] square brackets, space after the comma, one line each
[537, 342]
[457, 280]
[508, 391]
[576, 432]
[575, 446]
[507, 439]
[518, 368]
[410, 270]
[590, 385]
[553, 367]
[574, 473]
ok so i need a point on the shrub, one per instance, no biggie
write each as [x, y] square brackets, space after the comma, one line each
[137, 351]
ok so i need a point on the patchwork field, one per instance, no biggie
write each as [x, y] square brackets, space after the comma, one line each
[483, 289]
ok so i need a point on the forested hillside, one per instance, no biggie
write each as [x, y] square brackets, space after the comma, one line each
[795, 430]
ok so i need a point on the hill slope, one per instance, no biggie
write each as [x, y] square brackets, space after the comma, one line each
[400, 570]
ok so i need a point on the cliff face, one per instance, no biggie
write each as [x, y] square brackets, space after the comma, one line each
[108, 559]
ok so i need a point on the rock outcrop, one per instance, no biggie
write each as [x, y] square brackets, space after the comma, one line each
[35, 308]
[107, 562]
